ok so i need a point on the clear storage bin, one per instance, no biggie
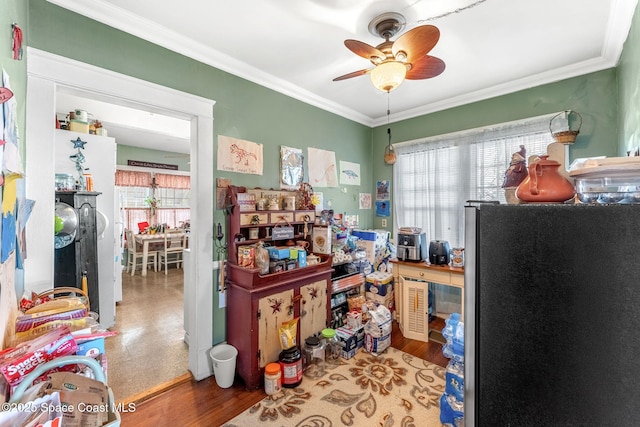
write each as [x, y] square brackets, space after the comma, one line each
[607, 180]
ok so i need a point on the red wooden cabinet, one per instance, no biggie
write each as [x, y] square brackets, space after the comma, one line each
[258, 304]
[255, 315]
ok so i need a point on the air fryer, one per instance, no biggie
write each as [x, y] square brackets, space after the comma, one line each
[439, 252]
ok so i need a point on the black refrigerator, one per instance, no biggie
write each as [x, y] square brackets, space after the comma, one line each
[552, 315]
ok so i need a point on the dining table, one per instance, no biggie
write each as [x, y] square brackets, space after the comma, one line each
[146, 239]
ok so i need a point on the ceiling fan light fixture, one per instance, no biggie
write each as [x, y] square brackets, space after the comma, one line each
[388, 76]
[401, 56]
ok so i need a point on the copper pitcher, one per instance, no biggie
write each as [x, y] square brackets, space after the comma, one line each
[545, 184]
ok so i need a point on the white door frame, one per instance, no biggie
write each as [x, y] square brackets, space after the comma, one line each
[45, 73]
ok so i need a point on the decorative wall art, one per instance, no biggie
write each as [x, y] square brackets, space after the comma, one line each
[365, 201]
[382, 189]
[237, 155]
[318, 201]
[383, 208]
[349, 173]
[291, 168]
[322, 168]
[12, 170]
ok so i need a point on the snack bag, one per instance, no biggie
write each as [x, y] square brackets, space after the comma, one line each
[288, 331]
[17, 362]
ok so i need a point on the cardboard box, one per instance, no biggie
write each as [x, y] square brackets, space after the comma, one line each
[279, 252]
[375, 244]
[351, 340]
[78, 126]
[322, 240]
[91, 348]
[246, 202]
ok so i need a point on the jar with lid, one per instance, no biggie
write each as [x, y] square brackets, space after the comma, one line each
[272, 378]
[313, 351]
[291, 367]
[332, 344]
[65, 182]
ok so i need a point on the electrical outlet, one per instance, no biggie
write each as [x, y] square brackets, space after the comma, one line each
[384, 222]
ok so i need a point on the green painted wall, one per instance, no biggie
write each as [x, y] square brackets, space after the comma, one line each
[629, 91]
[15, 11]
[243, 109]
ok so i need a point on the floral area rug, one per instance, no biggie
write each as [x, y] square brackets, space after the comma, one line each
[391, 389]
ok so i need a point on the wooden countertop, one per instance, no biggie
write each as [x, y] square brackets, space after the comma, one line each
[425, 265]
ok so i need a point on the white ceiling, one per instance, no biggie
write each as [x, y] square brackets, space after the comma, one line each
[490, 47]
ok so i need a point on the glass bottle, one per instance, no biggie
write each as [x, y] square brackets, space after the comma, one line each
[314, 352]
[333, 347]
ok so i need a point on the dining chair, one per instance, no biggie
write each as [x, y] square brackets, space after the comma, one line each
[134, 253]
[174, 244]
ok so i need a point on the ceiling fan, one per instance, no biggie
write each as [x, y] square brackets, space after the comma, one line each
[406, 58]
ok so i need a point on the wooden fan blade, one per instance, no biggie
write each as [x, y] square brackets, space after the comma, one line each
[350, 75]
[364, 50]
[425, 68]
[417, 42]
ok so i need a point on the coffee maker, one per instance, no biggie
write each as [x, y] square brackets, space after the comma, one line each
[412, 247]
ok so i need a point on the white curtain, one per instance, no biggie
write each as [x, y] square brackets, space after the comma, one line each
[434, 177]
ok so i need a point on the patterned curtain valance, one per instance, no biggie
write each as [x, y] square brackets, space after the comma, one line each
[126, 178]
[164, 180]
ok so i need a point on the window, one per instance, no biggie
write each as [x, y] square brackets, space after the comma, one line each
[171, 191]
[434, 177]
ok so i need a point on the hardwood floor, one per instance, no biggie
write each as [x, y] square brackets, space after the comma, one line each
[203, 403]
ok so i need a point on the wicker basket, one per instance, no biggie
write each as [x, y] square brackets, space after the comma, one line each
[389, 155]
[56, 293]
[566, 136]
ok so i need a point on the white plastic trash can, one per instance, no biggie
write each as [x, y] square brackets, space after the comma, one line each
[224, 364]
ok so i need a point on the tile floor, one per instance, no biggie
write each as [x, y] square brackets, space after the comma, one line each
[149, 349]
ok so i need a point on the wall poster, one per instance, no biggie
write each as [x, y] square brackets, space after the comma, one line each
[349, 173]
[365, 201]
[237, 155]
[322, 168]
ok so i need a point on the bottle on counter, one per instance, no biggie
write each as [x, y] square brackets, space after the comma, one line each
[314, 352]
[291, 367]
[272, 378]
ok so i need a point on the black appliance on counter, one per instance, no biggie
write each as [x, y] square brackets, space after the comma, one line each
[551, 315]
[439, 252]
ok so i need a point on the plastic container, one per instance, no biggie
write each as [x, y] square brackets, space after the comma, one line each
[313, 352]
[291, 367]
[607, 180]
[609, 189]
[333, 347]
[224, 364]
[272, 378]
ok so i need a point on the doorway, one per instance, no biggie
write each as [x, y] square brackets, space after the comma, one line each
[46, 74]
